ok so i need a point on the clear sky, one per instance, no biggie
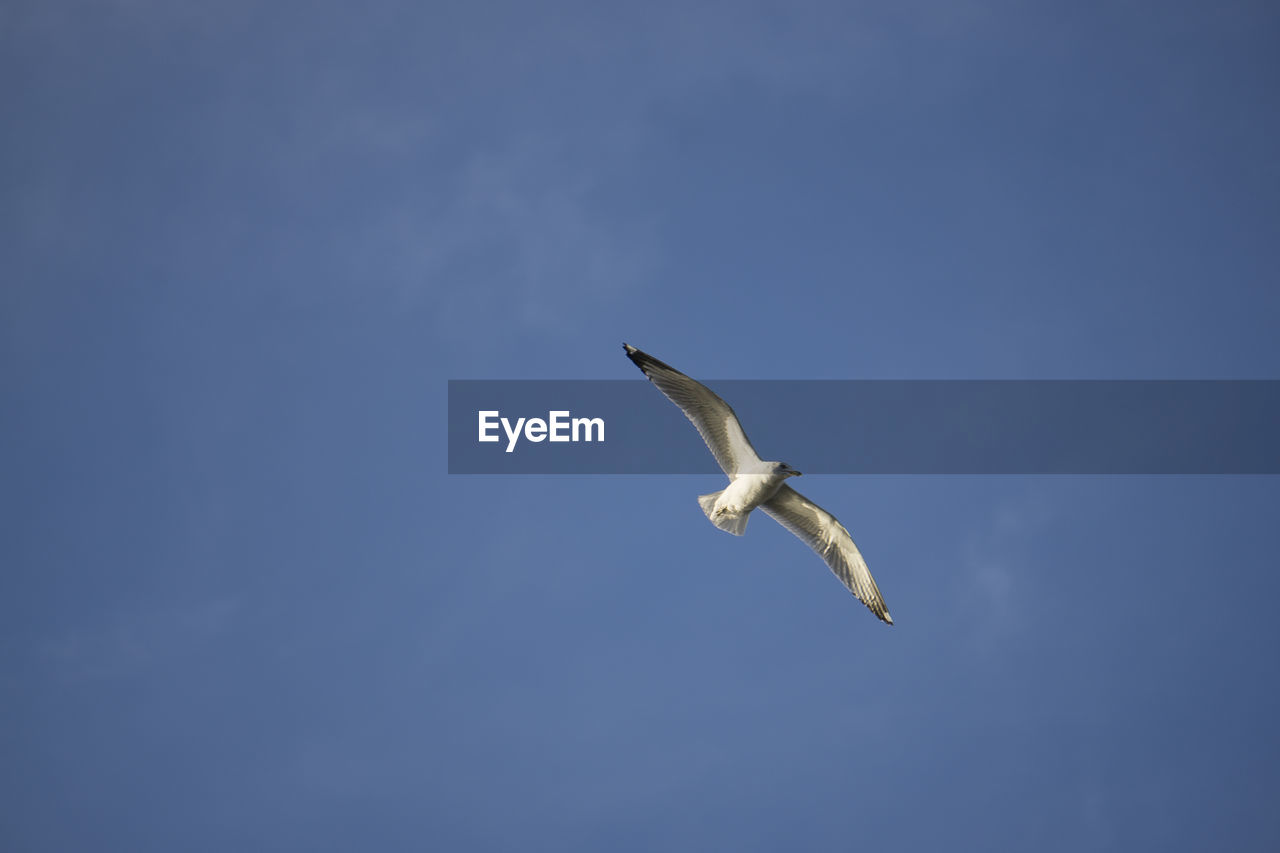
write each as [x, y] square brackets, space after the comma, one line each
[244, 245]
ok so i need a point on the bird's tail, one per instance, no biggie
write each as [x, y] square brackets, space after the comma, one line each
[735, 523]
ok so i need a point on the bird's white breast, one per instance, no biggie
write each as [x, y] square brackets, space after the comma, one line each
[748, 491]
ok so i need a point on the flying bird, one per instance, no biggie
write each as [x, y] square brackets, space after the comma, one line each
[754, 482]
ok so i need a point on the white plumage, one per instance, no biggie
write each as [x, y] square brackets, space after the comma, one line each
[754, 482]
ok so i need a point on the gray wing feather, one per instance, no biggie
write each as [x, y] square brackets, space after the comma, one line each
[713, 417]
[820, 530]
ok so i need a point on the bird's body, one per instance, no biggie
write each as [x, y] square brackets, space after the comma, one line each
[747, 491]
[755, 483]
[730, 507]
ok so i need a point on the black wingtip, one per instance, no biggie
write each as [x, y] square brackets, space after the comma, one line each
[646, 362]
[638, 358]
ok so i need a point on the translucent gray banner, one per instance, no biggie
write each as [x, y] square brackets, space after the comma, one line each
[874, 427]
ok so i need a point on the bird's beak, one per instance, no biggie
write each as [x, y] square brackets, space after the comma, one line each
[794, 473]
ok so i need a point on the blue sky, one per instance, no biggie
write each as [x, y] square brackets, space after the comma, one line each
[245, 245]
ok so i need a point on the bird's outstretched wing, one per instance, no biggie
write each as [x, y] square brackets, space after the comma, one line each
[819, 529]
[713, 417]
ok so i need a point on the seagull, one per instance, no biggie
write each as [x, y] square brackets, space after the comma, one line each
[754, 482]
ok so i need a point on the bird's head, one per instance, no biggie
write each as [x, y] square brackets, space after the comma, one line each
[785, 470]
